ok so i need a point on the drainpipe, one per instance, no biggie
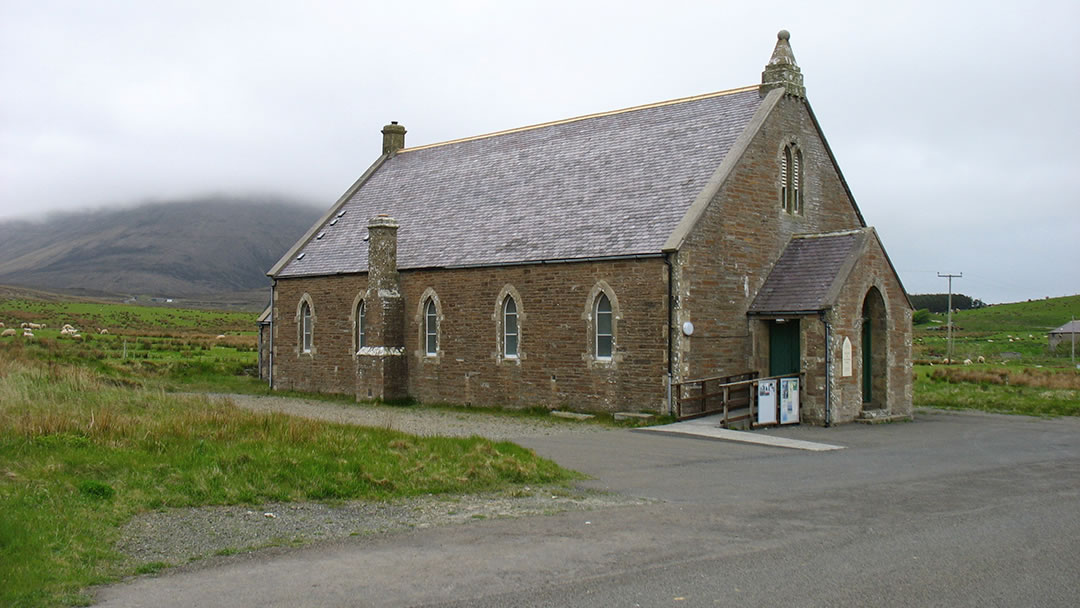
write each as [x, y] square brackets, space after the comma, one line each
[828, 369]
[670, 329]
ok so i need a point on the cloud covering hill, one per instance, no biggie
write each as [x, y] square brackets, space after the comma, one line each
[199, 247]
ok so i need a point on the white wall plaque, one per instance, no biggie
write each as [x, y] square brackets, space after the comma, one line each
[688, 328]
[845, 362]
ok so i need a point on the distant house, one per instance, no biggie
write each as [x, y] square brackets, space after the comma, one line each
[1067, 334]
[588, 263]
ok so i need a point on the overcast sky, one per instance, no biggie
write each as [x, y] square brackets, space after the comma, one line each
[955, 124]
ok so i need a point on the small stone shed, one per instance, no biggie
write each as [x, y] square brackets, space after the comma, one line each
[1064, 335]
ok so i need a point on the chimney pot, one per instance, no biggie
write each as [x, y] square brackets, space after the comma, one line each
[393, 138]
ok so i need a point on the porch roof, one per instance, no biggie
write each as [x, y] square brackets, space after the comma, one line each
[808, 275]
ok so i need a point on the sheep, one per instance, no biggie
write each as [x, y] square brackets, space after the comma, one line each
[946, 361]
[33, 326]
[7, 332]
[220, 337]
[1, 323]
[981, 359]
[24, 325]
[104, 332]
[68, 326]
[967, 361]
[27, 333]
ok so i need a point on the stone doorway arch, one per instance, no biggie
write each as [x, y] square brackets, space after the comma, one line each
[874, 351]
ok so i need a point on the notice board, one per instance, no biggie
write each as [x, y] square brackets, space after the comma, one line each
[766, 402]
[789, 400]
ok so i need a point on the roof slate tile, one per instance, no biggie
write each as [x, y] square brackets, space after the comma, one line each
[806, 271]
[607, 185]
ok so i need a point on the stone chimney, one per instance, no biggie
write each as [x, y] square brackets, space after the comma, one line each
[382, 253]
[393, 138]
[381, 372]
[781, 71]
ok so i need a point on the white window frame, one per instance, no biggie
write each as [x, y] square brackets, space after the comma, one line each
[307, 328]
[506, 314]
[601, 297]
[431, 318]
[361, 325]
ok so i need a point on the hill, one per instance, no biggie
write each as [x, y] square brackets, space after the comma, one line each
[205, 249]
[1036, 316]
[1019, 329]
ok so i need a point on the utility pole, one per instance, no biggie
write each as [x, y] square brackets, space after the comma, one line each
[949, 326]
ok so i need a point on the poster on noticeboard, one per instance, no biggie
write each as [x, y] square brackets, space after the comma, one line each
[766, 395]
[789, 400]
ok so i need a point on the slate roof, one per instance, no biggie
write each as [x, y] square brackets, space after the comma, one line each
[1072, 327]
[605, 185]
[804, 277]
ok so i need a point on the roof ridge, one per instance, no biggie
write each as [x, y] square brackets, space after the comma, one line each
[583, 117]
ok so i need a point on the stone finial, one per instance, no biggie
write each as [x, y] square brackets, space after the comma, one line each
[782, 71]
[393, 138]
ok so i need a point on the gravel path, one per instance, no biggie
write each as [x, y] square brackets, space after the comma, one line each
[417, 420]
[181, 536]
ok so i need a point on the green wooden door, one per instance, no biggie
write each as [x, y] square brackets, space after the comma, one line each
[784, 354]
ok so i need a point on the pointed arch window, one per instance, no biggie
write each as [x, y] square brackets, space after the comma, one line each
[431, 328]
[361, 325]
[306, 327]
[791, 165]
[604, 335]
[510, 328]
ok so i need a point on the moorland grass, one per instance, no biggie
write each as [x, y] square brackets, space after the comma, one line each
[1030, 392]
[80, 455]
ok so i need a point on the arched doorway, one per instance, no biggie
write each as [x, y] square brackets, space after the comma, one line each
[874, 350]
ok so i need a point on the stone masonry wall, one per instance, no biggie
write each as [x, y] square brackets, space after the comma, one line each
[845, 318]
[729, 253]
[556, 366]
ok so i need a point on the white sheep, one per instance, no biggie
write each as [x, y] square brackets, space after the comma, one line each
[946, 361]
[7, 332]
[967, 361]
[27, 333]
[981, 359]
[24, 325]
[104, 332]
[1, 323]
[220, 337]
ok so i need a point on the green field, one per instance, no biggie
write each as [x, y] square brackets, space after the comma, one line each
[1019, 328]
[1020, 374]
[90, 437]
[171, 348]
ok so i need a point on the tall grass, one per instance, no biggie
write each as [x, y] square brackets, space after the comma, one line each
[1027, 391]
[79, 456]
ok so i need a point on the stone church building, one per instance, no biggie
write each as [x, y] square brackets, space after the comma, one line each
[588, 263]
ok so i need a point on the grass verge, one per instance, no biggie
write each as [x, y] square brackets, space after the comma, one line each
[79, 456]
[1030, 392]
